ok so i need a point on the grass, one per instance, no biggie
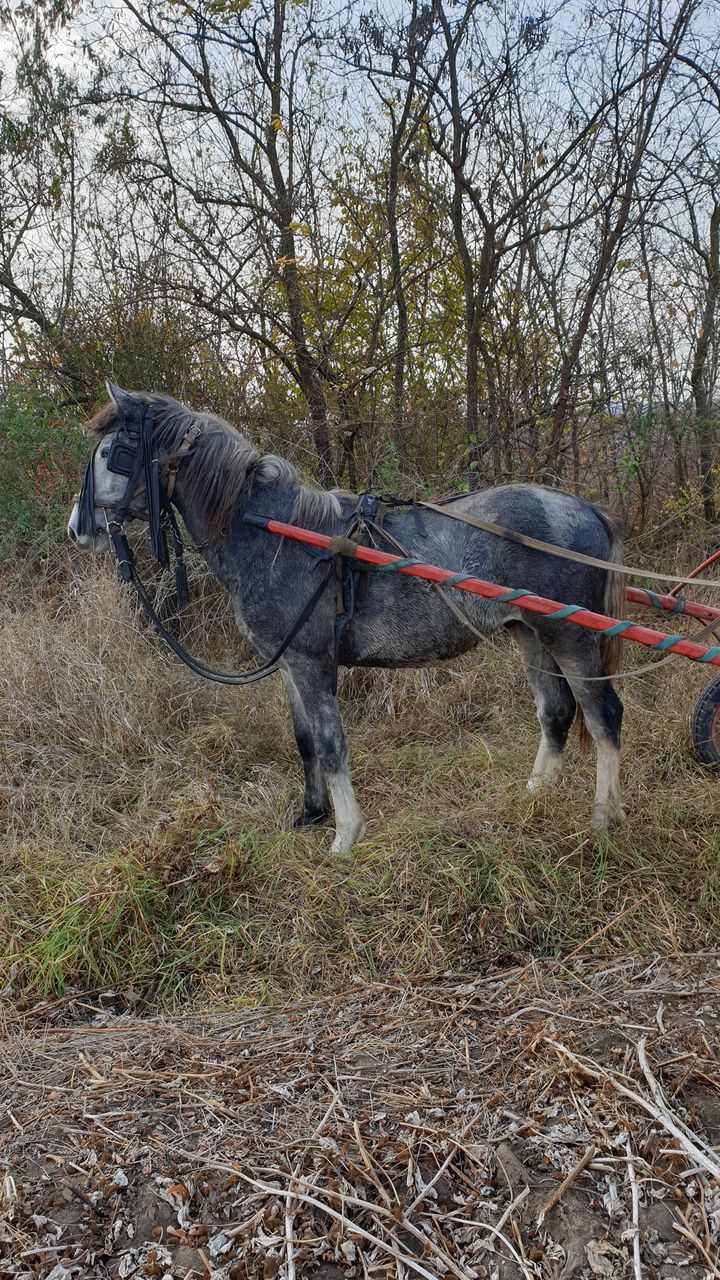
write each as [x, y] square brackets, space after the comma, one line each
[144, 817]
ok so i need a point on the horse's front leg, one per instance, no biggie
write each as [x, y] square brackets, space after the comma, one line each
[316, 802]
[313, 682]
[554, 702]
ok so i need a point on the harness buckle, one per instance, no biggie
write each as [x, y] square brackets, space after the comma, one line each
[367, 505]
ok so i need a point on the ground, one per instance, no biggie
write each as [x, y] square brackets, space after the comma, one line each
[531, 1121]
[485, 1046]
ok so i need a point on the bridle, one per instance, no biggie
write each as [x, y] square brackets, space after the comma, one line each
[133, 453]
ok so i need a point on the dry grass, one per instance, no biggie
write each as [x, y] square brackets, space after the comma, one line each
[144, 816]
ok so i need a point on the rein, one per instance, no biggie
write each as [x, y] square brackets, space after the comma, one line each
[463, 619]
[128, 573]
[511, 535]
[132, 453]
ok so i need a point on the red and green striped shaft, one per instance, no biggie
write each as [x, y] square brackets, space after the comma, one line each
[673, 604]
[554, 609]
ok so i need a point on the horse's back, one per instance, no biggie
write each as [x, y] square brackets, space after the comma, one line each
[403, 622]
[551, 515]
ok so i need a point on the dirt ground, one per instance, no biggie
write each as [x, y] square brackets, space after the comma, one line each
[556, 1119]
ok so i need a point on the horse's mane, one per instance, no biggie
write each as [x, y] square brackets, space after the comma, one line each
[223, 466]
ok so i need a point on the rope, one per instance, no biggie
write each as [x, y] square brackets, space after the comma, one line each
[477, 586]
[654, 600]
[567, 611]
[128, 573]
[694, 572]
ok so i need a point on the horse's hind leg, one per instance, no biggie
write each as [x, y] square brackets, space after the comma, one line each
[580, 659]
[604, 722]
[316, 802]
[554, 703]
[313, 682]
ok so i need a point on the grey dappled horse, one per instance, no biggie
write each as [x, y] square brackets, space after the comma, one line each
[400, 622]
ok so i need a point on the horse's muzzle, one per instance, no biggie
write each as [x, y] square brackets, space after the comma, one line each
[98, 541]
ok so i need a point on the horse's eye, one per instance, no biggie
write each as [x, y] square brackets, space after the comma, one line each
[104, 452]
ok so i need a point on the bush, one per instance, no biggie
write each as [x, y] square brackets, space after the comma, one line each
[41, 459]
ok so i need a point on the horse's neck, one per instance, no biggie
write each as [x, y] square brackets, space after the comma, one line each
[235, 554]
[194, 520]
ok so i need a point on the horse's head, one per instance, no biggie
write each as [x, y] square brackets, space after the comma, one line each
[114, 464]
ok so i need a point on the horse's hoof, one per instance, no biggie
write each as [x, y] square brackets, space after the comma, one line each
[543, 781]
[345, 840]
[607, 816]
[310, 818]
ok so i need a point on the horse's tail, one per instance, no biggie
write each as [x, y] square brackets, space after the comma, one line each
[613, 606]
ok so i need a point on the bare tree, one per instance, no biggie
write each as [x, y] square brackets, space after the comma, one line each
[226, 102]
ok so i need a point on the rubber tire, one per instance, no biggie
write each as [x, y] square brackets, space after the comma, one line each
[705, 725]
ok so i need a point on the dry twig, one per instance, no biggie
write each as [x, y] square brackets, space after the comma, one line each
[314, 1104]
[661, 1115]
[635, 1199]
[353, 1228]
[558, 1194]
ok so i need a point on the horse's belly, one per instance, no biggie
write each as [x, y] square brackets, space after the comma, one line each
[411, 643]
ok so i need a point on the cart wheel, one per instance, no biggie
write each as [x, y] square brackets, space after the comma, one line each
[705, 725]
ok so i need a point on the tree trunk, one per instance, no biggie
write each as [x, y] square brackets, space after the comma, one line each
[706, 426]
[398, 422]
[308, 375]
[492, 416]
[613, 232]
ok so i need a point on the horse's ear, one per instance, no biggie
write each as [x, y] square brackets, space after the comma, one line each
[122, 399]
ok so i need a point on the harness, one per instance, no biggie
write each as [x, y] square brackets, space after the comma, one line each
[132, 453]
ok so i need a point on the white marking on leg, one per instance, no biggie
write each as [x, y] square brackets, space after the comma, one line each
[547, 766]
[608, 806]
[349, 824]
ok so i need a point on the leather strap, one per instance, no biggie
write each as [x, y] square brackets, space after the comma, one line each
[459, 613]
[170, 470]
[524, 539]
[128, 573]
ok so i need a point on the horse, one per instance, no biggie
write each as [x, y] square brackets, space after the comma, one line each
[398, 621]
